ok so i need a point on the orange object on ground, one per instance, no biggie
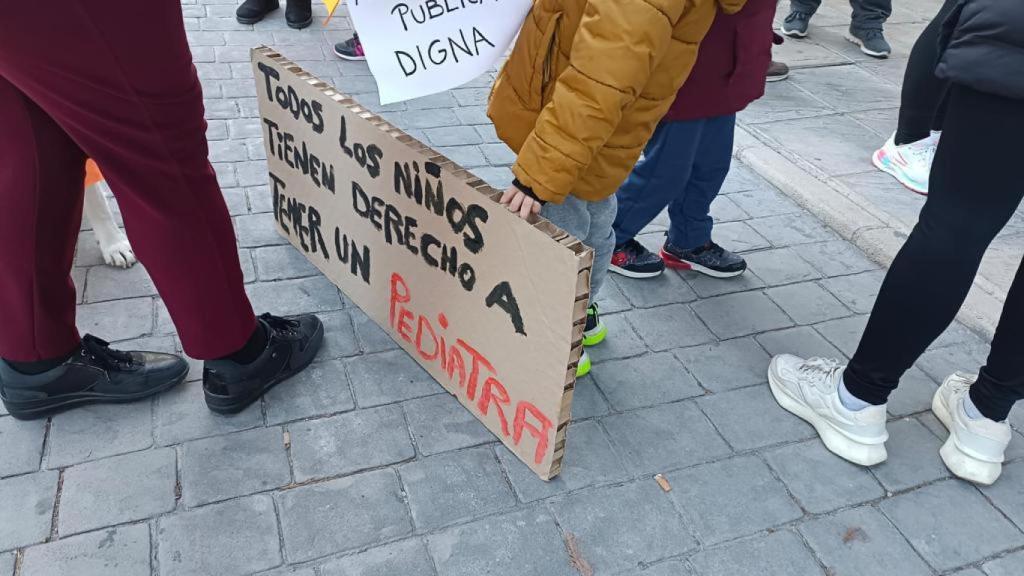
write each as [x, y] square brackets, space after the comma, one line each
[92, 173]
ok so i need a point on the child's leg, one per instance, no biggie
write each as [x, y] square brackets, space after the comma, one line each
[591, 223]
[690, 211]
[658, 178]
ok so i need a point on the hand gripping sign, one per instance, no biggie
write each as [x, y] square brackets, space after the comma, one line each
[421, 47]
[492, 306]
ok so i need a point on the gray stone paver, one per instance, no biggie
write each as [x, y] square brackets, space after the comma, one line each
[444, 489]
[862, 541]
[393, 476]
[617, 528]
[124, 551]
[21, 446]
[26, 509]
[959, 527]
[732, 498]
[233, 538]
[323, 448]
[117, 490]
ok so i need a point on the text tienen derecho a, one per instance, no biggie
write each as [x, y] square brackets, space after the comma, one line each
[441, 232]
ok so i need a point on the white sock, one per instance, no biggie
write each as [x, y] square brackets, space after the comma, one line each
[972, 411]
[849, 401]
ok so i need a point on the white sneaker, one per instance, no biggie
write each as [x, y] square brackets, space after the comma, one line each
[910, 163]
[975, 449]
[810, 389]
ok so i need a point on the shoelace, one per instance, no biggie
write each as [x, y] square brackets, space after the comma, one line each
[818, 371]
[278, 324]
[99, 351]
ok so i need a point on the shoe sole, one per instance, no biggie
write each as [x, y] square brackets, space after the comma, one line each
[631, 274]
[20, 413]
[777, 77]
[250, 21]
[350, 58]
[237, 405]
[583, 368]
[792, 33]
[300, 25]
[886, 167]
[959, 462]
[678, 264]
[864, 49]
[596, 338]
[836, 442]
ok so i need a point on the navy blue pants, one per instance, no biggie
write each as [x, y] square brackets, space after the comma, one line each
[683, 167]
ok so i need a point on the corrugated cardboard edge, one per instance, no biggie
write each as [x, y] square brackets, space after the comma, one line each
[584, 255]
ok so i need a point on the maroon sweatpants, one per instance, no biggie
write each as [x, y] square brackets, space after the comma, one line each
[112, 80]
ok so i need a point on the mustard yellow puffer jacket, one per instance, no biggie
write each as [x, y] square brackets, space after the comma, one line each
[587, 83]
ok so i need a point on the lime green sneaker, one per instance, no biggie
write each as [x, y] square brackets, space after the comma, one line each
[583, 368]
[595, 331]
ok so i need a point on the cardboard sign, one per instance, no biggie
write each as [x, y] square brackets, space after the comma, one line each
[491, 305]
[421, 47]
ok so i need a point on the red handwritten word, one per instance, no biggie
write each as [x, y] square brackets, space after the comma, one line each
[463, 363]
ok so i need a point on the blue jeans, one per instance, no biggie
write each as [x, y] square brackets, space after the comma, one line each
[683, 167]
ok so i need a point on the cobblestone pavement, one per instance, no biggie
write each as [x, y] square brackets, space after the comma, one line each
[346, 472]
[839, 106]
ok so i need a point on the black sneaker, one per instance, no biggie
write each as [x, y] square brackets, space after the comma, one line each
[292, 343]
[252, 11]
[298, 13]
[632, 260]
[710, 259]
[796, 24]
[351, 49]
[872, 42]
[95, 374]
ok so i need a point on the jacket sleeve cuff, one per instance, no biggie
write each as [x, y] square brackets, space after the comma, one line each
[528, 191]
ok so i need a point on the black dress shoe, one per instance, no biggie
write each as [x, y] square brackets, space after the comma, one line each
[252, 11]
[95, 374]
[292, 343]
[298, 13]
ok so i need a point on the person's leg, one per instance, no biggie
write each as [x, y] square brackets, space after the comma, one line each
[808, 7]
[136, 108]
[601, 237]
[658, 178]
[690, 211]
[933, 272]
[43, 169]
[870, 14]
[1000, 383]
[689, 245]
[922, 91]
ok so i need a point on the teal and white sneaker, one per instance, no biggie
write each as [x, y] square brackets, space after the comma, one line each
[910, 164]
[595, 331]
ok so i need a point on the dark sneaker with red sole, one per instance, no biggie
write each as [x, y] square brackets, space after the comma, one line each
[292, 344]
[711, 260]
[633, 260]
[95, 374]
[351, 49]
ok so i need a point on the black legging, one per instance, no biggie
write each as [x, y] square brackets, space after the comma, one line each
[975, 188]
[922, 99]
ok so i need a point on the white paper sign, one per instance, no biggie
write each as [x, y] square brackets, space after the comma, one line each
[421, 47]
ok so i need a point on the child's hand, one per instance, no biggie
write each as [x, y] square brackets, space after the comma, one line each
[519, 201]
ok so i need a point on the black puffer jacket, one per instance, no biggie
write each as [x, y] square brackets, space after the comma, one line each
[983, 47]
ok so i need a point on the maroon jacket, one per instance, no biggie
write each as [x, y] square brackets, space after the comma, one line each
[731, 65]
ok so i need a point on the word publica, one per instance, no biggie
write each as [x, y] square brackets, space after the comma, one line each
[439, 52]
[467, 368]
[430, 9]
[312, 112]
